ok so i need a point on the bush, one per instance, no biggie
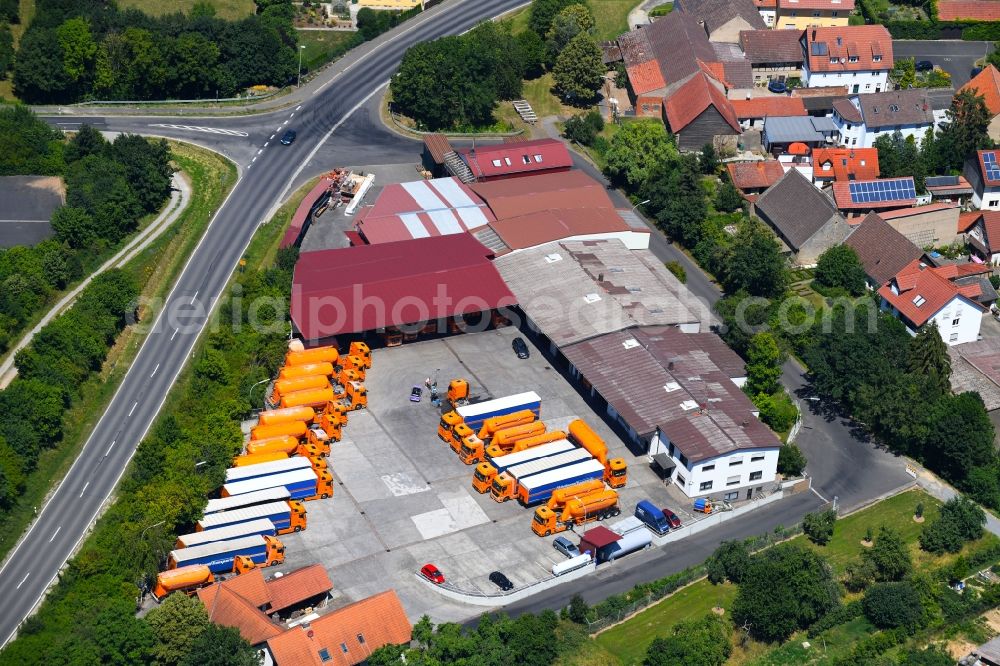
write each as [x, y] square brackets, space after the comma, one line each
[703, 641]
[959, 521]
[891, 605]
[730, 561]
[677, 269]
[791, 460]
[838, 615]
[776, 410]
[728, 198]
[818, 527]
[584, 128]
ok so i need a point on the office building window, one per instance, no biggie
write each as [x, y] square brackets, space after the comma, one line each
[756, 458]
[733, 481]
[681, 481]
[731, 497]
[708, 468]
[756, 476]
[705, 485]
[735, 461]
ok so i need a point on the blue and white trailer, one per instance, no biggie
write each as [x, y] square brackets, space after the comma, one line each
[219, 556]
[235, 531]
[474, 415]
[538, 488]
[505, 484]
[247, 499]
[501, 463]
[287, 516]
[234, 474]
[300, 484]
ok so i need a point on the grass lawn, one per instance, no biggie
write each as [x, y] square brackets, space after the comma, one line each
[629, 640]
[611, 16]
[322, 46]
[156, 269]
[824, 649]
[227, 9]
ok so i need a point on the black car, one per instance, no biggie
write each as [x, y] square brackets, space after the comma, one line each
[777, 87]
[924, 66]
[975, 72]
[520, 348]
[501, 581]
[289, 138]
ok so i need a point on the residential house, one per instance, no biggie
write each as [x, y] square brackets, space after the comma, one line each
[802, 14]
[723, 19]
[864, 118]
[986, 84]
[752, 178]
[920, 295]
[682, 406]
[984, 236]
[512, 160]
[345, 637]
[982, 170]
[948, 189]
[882, 250]
[768, 10]
[781, 132]
[968, 10]
[857, 56]
[752, 112]
[774, 55]
[819, 101]
[856, 198]
[975, 366]
[675, 74]
[805, 218]
[928, 226]
[844, 164]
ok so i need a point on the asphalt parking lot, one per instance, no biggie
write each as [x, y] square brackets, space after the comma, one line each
[403, 498]
[952, 55]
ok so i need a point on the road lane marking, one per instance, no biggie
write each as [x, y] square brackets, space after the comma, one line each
[298, 107]
[260, 151]
[154, 370]
[207, 130]
[55, 533]
[134, 405]
[253, 160]
[265, 143]
[84, 488]
[276, 131]
[271, 138]
[108, 452]
[194, 297]
[291, 116]
[23, 579]
[174, 335]
[283, 124]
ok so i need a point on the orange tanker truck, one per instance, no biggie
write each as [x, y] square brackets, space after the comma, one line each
[310, 398]
[496, 450]
[615, 469]
[186, 579]
[576, 511]
[288, 415]
[306, 370]
[254, 458]
[295, 429]
[474, 449]
[328, 354]
[286, 386]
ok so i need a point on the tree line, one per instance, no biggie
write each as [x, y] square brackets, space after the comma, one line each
[90, 615]
[455, 83]
[110, 186]
[76, 50]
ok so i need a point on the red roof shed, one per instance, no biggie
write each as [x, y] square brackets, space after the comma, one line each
[596, 538]
[517, 159]
[370, 287]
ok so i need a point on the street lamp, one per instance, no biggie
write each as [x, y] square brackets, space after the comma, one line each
[250, 392]
[142, 534]
[639, 204]
[298, 82]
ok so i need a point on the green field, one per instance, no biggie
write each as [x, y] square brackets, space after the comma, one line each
[227, 9]
[322, 46]
[611, 16]
[629, 640]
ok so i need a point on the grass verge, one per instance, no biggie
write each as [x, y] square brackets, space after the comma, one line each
[226, 9]
[155, 269]
[323, 46]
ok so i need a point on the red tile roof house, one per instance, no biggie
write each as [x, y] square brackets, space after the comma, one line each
[882, 250]
[856, 56]
[920, 295]
[752, 178]
[752, 112]
[984, 236]
[844, 164]
[675, 74]
[982, 170]
[986, 84]
[976, 10]
[774, 55]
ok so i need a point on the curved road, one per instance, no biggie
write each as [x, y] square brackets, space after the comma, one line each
[263, 183]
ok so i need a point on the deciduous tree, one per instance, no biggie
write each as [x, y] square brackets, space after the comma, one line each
[764, 361]
[756, 265]
[818, 527]
[579, 69]
[791, 460]
[675, 195]
[177, 624]
[959, 521]
[730, 561]
[889, 557]
[635, 151]
[697, 642]
[839, 267]
[891, 605]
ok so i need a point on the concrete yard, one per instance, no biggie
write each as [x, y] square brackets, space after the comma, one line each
[403, 498]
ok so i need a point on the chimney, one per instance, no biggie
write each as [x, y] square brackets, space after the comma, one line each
[670, 365]
[600, 277]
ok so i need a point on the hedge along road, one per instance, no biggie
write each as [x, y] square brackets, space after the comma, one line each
[263, 183]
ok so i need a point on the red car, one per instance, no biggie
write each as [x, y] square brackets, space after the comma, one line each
[432, 573]
[671, 517]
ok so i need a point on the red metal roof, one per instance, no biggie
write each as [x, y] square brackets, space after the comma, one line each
[978, 10]
[923, 291]
[845, 164]
[547, 191]
[599, 537]
[517, 158]
[545, 226]
[762, 107]
[841, 45]
[755, 175]
[986, 83]
[846, 6]
[354, 289]
[422, 208]
[295, 227]
[693, 98]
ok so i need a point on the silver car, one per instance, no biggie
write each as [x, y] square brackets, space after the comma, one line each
[566, 547]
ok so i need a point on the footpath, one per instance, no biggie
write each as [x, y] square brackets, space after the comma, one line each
[180, 197]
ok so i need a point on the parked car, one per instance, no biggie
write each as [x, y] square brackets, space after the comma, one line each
[501, 581]
[924, 66]
[777, 87]
[565, 546]
[415, 394]
[671, 517]
[520, 348]
[975, 72]
[288, 138]
[432, 573]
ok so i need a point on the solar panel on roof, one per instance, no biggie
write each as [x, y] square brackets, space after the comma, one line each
[942, 181]
[990, 162]
[882, 190]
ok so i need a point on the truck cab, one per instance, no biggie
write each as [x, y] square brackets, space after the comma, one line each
[458, 435]
[472, 450]
[319, 440]
[275, 551]
[243, 564]
[355, 396]
[362, 351]
[654, 519]
[503, 487]
[458, 392]
[483, 477]
[324, 485]
[616, 473]
[447, 423]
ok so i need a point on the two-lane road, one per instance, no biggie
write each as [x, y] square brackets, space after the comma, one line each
[267, 172]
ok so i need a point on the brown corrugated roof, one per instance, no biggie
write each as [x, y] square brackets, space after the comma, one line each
[772, 46]
[296, 587]
[546, 226]
[346, 636]
[883, 251]
[762, 107]
[437, 145]
[520, 196]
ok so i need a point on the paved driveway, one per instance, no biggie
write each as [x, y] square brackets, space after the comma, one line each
[952, 55]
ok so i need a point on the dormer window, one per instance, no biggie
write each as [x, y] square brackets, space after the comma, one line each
[853, 59]
[833, 61]
[876, 58]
